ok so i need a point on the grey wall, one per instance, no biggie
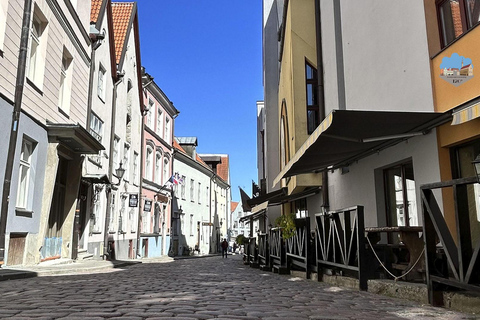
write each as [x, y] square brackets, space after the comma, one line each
[30, 129]
[357, 187]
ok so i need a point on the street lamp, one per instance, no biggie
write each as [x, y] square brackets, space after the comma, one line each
[476, 165]
[119, 172]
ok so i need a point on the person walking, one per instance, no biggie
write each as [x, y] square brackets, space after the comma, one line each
[224, 248]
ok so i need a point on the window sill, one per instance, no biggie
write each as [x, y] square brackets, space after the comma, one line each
[34, 86]
[96, 232]
[23, 213]
[98, 164]
[63, 113]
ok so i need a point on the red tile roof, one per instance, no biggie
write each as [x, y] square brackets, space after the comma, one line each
[121, 12]
[222, 168]
[177, 146]
[233, 206]
[95, 10]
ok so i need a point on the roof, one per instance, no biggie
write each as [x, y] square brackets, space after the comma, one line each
[187, 140]
[223, 168]
[122, 13]
[179, 148]
[233, 205]
[95, 10]
[465, 67]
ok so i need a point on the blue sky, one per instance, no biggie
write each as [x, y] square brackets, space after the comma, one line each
[206, 55]
[455, 61]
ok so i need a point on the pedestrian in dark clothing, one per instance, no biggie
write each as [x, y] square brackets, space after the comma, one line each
[224, 248]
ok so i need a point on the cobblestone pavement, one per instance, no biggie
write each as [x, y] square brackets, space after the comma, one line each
[192, 289]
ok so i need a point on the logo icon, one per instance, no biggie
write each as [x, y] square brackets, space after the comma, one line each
[456, 69]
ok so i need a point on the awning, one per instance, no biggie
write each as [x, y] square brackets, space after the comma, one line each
[260, 207]
[74, 137]
[253, 216]
[349, 135]
[271, 196]
[466, 114]
[96, 178]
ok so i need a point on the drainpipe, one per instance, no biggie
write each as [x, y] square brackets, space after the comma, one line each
[17, 107]
[320, 92]
[110, 163]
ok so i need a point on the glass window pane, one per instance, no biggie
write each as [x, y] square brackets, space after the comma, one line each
[473, 12]
[451, 20]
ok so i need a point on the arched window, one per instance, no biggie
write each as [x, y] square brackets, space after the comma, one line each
[158, 167]
[149, 163]
[284, 136]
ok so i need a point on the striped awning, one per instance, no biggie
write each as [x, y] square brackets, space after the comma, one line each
[346, 136]
[466, 114]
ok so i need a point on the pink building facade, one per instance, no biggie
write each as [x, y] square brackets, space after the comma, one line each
[157, 170]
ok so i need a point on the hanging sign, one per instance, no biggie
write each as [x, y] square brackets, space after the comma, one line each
[148, 205]
[133, 201]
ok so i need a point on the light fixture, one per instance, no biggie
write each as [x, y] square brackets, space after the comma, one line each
[119, 172]
[476, 165]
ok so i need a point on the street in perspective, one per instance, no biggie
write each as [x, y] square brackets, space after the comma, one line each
[198, 288]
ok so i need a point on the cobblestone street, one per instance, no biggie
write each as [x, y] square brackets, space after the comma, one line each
[206, 288]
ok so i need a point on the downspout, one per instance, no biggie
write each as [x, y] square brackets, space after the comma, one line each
[110, 163]
[321, 92]
[140, 184]
[17, 107]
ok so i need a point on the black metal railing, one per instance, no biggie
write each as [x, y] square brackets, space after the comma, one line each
[298, 247]
[340, 243]
[276, 248]
[449, 262]
[263, 253]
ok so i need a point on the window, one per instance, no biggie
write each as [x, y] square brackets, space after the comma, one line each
[149, 163]
[158, 169]
[456, 17]
[116, 155]
[37, 48]
[207, 196]
[191, 225]
[167, 130]
[183, 187]
[165, 170]
[159, 122]
[192, 189]
[401, 203]
[96, 211]
[101, 83]
[111, 219]
[313, 119]
[199, 193]
[151, 107]
[24, 181]
[96, 130]
[65, 82]
[135, 168]
[284, 137]
[3, 21]
[126, 161]
[96, 127]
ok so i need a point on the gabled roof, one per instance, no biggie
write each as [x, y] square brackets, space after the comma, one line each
[122, 16]
[233, 205]
[223, 168]
[95, 10]
[465, 67]
[179, 148]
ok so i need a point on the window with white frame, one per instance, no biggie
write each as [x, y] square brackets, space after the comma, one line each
[3, 21]
[116, 153]
[159, 122]
[199, 192]
[135, 168]
[192, 190]
[36, 59]
[126, 162]
[183, 187]
[165, 170]
[191, 225]
[64, 93]
[96, 210]
[150, 114]
[111, 219]
[24, 180]
[96, 127]
[158, 167]
[207, 196]
[101, 82]
[167, 130]
[149, 163]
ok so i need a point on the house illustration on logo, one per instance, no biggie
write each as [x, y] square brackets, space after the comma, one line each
[456, 69]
